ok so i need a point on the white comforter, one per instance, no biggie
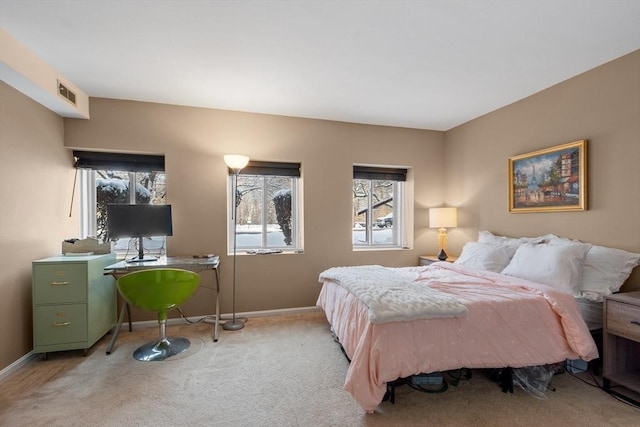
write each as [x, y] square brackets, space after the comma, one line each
[392, 295]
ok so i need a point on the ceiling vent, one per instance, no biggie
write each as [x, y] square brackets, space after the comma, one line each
[66, 93]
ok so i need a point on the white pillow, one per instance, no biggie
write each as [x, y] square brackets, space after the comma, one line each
[488, 237]
[486, 256]
[556, 265]
[605, 271]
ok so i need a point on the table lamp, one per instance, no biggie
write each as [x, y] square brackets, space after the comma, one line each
[443, 218]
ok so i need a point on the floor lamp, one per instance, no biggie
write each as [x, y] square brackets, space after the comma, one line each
[235, 163]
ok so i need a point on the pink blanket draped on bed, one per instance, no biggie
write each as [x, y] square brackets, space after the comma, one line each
[510, 323]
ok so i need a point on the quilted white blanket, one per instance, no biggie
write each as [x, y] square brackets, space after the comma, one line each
[391, 295]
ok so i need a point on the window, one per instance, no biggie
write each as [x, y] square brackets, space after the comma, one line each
[106, 179]
[377, 207]
[268, 203]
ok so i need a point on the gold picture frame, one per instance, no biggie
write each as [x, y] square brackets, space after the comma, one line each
[549, 180]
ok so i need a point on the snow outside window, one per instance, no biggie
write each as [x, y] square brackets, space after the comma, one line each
[268, 211]
[102, 187]
[378, 195]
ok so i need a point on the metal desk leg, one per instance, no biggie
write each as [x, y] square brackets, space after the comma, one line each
[128, 315]
[116, 329]
[215, 328]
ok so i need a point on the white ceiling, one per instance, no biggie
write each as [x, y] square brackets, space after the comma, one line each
[428, 64]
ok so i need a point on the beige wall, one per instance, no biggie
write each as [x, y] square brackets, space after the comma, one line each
[602, 106]
[36, 181]
[194, 141]
[470, 162]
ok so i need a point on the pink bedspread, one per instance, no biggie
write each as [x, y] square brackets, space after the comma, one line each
[511, 323]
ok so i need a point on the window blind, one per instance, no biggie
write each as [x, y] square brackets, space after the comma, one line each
[118, 161]
[379, 173]
[270, 168]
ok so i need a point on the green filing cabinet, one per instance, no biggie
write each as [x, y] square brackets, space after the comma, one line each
[74, 302]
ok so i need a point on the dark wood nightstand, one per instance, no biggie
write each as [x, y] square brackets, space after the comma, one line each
[429, 259]
[621, 358]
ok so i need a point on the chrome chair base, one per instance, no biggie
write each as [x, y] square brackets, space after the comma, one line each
[161, 350]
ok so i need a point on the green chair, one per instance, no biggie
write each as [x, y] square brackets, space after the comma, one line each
[159, 289]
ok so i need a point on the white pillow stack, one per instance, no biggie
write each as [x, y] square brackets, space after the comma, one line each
[489, 237]
[578, 268]
[485, 256]
[492, 252]
[605, 270]
[555, 264]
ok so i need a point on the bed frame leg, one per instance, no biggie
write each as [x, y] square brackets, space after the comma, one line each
[506, 380]
[390, 394]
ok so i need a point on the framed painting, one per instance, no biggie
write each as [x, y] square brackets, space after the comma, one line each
[549, 180]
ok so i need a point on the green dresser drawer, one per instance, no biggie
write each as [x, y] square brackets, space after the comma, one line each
[58, 324]
[74, 302]
[59, 283]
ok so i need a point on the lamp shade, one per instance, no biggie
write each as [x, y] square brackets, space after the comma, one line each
[236, 161]
[443, 217]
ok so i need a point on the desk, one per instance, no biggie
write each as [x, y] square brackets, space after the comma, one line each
[186, 263]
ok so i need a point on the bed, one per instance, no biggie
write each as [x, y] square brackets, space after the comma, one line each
[501, 304]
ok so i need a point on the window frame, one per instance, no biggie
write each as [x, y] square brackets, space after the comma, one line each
[261, 170]
[398, 176]
[87, 163]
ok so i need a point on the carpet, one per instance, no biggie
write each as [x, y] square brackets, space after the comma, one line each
[277, 371]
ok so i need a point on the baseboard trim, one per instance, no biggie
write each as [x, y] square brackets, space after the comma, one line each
[226, 316]
[277, 312]
[11, 369]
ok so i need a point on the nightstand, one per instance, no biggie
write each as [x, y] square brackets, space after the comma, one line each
[621, 358]
[429, 259]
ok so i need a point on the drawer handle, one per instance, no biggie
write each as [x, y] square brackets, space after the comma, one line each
[62, 324]
[634, 322]
[64, 283]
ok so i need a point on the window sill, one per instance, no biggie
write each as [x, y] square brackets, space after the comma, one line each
[262, 252]
[379, 248]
